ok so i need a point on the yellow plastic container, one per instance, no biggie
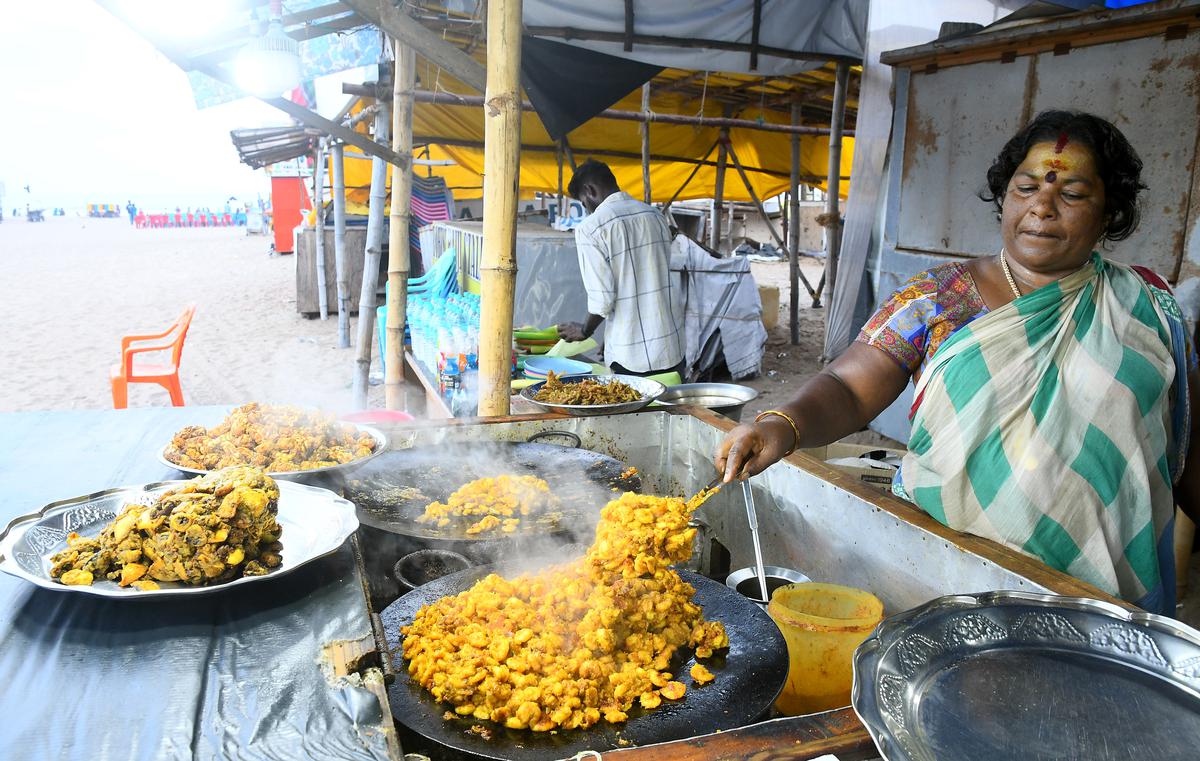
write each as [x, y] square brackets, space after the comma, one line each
[823, 624]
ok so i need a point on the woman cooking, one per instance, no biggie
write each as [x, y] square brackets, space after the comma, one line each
[1051, 408]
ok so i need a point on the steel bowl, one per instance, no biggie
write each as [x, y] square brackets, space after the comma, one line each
[744, 581]
[649, 390]
[423, 566]
[726, 399]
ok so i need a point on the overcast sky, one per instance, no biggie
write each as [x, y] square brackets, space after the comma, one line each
[90, 112]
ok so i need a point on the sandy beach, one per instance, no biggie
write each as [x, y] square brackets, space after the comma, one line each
[74, 286]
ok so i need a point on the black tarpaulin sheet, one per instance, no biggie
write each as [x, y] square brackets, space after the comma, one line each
[568, 85]
[232, 675]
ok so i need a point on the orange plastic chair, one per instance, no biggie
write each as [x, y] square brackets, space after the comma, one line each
[167, 376]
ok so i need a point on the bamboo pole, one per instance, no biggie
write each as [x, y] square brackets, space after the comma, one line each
[762, 212]
[794, 235]
[366, 297]
[833, 217]
[683, 186]
[502, 161]
[714, 229]
[399, 250]
[339, 244]
[644, 128]
[319, 229]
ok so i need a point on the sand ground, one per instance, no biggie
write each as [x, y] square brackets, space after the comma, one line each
[74, 286]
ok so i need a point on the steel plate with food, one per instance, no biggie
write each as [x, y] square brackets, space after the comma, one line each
[282, 440]
[584, 395]
[571, 654]
[234, 526]
[1007, 675]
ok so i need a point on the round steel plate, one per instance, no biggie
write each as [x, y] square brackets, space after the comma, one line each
[649, 389]
[1008, 675]
[381, 443]
[315, 523]
[749, 676]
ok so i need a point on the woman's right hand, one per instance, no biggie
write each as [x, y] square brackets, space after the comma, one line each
[751, 448]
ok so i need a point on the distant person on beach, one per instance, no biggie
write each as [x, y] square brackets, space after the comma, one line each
[624, 249]
[131, 210]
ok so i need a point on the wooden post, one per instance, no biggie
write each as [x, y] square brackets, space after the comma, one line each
[833, 221]
[398, 231]
[370, 279]
[319, 228]
[501, 173]
[794, 234]
[339, 244]
[644, 128]
[558, 155]
[714, 229]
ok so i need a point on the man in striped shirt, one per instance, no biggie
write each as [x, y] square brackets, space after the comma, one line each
[624, 250]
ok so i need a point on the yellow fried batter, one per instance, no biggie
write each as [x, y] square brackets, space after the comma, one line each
[274, 438]
[211, 529]
[489, 504]
[578, 642]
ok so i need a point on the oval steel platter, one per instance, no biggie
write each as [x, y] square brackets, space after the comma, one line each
[315, 523]
[1017, 675]
[381, 444]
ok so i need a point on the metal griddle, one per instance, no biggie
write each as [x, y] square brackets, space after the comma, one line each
[748, 679]
[583, 480]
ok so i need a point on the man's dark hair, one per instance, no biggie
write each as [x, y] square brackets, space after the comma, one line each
[591, 172]
[1116, 162]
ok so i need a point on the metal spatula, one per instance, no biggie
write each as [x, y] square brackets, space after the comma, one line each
[752, 519]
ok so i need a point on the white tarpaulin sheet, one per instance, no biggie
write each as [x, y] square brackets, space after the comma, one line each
[824, 28]
[721, 309]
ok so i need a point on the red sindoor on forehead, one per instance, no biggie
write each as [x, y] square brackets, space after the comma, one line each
[1063, 139]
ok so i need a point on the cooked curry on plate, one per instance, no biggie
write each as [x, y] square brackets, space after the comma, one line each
[210, 530]
[275, 438]
[586, 391]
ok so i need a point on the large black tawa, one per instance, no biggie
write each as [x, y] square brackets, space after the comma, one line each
[748, 679]
[392, 490]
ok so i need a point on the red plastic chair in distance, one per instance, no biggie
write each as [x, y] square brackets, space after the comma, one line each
[165, 375]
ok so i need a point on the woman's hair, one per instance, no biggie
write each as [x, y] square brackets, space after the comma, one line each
[1116, 162]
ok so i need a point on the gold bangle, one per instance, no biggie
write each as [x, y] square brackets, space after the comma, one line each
[792, 423]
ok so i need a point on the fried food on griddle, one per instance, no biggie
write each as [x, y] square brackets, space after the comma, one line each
[212, 529]
[272, 437]
[575, 643]
[487, 504]
[586, 391]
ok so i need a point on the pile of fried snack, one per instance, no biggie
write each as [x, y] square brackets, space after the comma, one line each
[586, 391]
[274, 438]
[213, 529]
[575, 643]
[491, 504]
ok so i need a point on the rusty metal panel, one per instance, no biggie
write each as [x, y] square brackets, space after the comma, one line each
[1149, 89]
[958, 119]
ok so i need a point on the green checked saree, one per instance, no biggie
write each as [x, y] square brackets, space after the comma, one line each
[1057, 425]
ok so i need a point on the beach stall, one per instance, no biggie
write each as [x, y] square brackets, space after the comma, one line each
[571, 583]
[308, 662]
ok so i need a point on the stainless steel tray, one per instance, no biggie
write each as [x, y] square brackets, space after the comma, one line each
[1015, 675]
[315, 523]
[381, 443]
[649, 389]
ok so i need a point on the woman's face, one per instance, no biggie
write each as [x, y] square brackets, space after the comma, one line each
[1053, 212]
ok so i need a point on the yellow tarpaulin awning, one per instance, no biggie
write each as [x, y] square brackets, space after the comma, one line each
[539, 166]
